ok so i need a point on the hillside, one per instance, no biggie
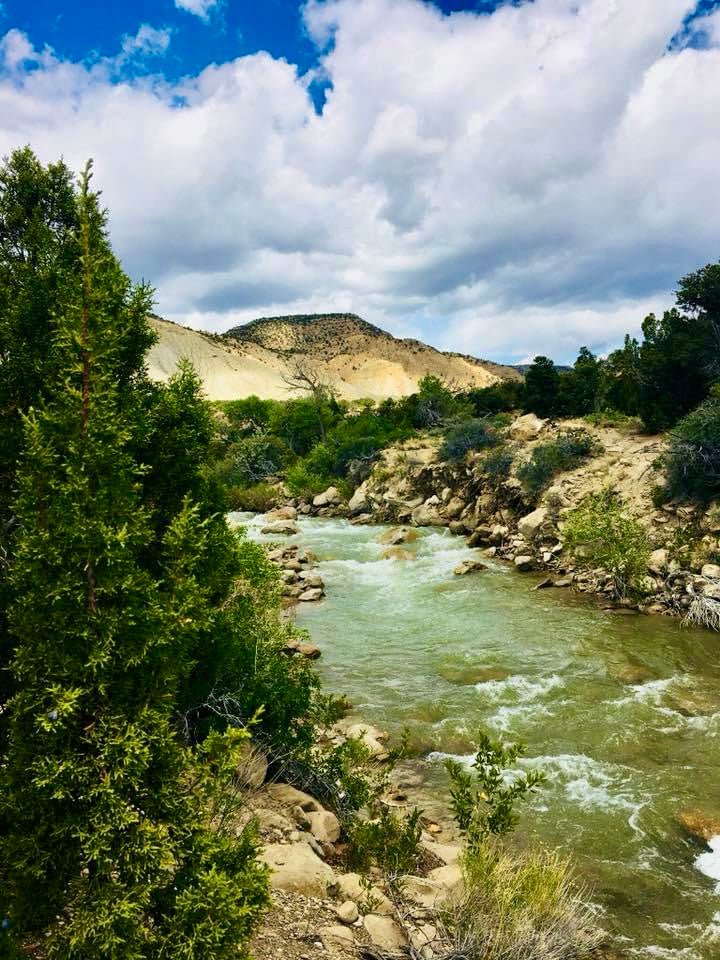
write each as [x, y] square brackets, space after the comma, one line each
[357, 359]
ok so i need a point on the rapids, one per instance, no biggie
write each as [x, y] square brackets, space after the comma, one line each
[621, 712]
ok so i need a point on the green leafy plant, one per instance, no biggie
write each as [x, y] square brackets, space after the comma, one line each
[600, 533]
[388, 841]
[482, 801]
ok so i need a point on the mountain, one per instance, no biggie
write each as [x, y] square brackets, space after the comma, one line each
[357, 359]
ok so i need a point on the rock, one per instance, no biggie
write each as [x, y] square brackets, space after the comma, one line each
[281, 513]
[490, 551]
[447, 852]
[384, 933]
[454, 507]
[711, 571]
[290, 797]
[527, 427]
[711, 591]
[307, 650]
[324, 826]
[311, 595]
[359, 502]
[563, 582]
[281, 528]
[350, 887]
[310, 579]
[314, 844]
[544, 584]
[328, 498]
[498, 534]
[457, 528]
[701, 826]
[301, 818]
[426, 515]
[480, 536]
[524, 563]
[449, 877]
[426, 892]
[397, 553]
[397, 535]
[422, 938]
[336, 935]
[348, 912]
[531, 525]
[295, 867]
[252, 767]
[271, 820]
[658, 562]
[369, 737]
[468, 566]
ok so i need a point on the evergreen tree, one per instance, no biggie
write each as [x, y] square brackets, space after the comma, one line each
[578, 388]
[620, 381]
[106, 840]
[542, 382]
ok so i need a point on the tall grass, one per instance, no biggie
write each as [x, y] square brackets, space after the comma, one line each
[518, 906]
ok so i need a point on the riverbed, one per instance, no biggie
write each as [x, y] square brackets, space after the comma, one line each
[622, 713]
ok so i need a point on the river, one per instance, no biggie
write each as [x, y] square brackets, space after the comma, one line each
[621, 712]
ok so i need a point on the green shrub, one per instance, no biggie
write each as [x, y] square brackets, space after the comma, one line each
[518, 906]
[389, 842]
[599, 533]
[256, 499]
[467, 436]
[693, 457]
[566, 452]
[497, 464]
[303, 482]
[482, 803]
[612, 418]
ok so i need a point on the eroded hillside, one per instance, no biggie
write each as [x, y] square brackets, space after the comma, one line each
[355, 358]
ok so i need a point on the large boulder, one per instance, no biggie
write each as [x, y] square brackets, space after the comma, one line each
[397, 553]
[531, 525]
[359, 501]
[527, 427]
[427, 515]
[297, 868]
[699, 825]
[328, 498]
[454, 507]
[524, 563]
[290, 797]
[324, 826]
[281, 528]
[711, 571]
[370, 737]
[658, 562]
[281, 513]
[384, 933]
[397, 535]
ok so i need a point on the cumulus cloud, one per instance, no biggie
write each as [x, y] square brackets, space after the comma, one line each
[147, 42]
[504, 185]
[200, 8]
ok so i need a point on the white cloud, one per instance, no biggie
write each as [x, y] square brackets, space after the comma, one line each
[505, 185]
[147, 42]
[200, 8]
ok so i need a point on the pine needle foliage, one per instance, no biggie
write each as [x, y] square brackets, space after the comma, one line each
[113, 845]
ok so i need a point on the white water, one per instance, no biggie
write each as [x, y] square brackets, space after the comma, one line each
[413, 646]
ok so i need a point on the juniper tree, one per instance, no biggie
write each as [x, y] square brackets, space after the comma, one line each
[107, 843]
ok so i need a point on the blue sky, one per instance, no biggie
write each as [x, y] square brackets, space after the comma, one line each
[500, 178]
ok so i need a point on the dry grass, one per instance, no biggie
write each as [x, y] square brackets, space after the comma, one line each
[704, 612]
[519, 906]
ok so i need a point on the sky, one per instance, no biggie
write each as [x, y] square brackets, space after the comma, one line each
[494, 177]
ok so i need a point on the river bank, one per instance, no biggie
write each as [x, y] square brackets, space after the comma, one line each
[623, 712]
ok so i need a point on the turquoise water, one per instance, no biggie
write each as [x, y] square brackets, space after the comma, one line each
[621, 712]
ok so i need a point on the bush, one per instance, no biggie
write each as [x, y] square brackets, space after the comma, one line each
[612, 418]
[256, 499]
[600, 533]
[389, 842]
[303, 482]
[693, 457]
[497, 465]
[566, 452]
[482, 803]
[519, 906]
[467, 436]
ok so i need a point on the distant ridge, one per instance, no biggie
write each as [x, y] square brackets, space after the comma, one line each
[357, 359]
